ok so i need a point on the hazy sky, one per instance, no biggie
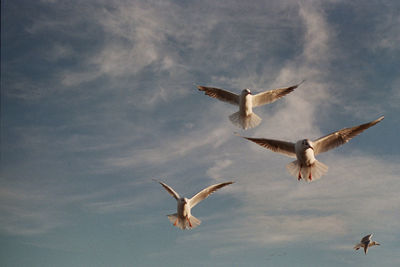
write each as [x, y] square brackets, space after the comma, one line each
[98, 98]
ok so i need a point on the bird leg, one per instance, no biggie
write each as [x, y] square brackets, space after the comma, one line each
[299, 177]
[176, 221]
[309, 176]
[190, 224]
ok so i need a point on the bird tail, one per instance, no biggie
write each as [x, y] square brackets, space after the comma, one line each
[174, 219]
[308, 173]
[192, 222]
[243, 121]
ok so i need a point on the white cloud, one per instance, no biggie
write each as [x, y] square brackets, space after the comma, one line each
[148, 60]
[318, 35]
[215, 171]
[171, 148]
[275, 208]
[27, 213]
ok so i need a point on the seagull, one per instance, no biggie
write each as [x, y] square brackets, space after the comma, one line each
[306, 166]
[245, 118]
[183, 218]
[366, 243]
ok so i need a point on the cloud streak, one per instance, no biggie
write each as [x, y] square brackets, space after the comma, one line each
[122, 108]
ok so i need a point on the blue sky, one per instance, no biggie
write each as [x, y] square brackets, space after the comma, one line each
[98, 98]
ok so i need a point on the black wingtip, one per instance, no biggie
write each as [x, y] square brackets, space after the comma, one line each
[237, 134]
[155, 180]
[201, 88]
[297, 85]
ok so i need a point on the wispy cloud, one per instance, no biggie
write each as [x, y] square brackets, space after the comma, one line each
[27, 213]
[387, 31]
[296, 211]
[123, 107]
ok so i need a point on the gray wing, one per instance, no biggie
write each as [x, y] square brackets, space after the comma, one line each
[366, 239]
[170, 190]
[220, 94]
[203, 194]
[272, 95]
[340, 137]
[286, 148]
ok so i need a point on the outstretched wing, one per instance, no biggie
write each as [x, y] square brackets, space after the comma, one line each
[169, 190]
[272, 95]
[220, 94]
[286, 148]
[341, 137]
[366, 239]
[203, 194]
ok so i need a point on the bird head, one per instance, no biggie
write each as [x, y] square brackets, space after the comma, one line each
[306, 144]
[246, 92]
[184, 200]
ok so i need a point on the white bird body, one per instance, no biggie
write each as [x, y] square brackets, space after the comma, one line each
[306, 166]
[245, 118]
[304, 152]
[183, 217]
[246, 103]
[183, 208]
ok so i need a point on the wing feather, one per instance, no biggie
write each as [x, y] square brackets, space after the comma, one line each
[220, 94]
[283, 147]
[170, 190]
[340, 137]
[366, 239]
[272, 95]
[203, 194]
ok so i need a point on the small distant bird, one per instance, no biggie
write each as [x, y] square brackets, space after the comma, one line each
[365, 243]
[306, 166]
[183, 218]
[245, 118]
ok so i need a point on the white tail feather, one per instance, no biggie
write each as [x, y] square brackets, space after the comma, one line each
[293, 168]
[183, 223]
[308, 173]
[245, 122]
[194, 221]
[174, 219]
[318, 169]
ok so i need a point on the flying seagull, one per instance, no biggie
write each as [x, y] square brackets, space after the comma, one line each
[183, 218]
[365, 243]
[306, 166]
[245, 118]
